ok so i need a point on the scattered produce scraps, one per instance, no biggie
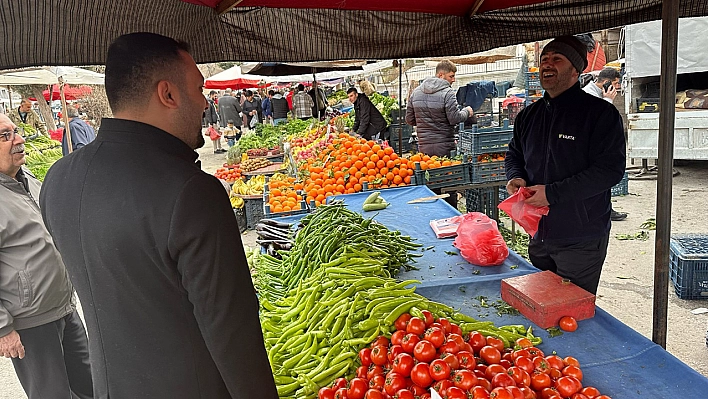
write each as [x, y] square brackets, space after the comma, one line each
[641, 236]
[649, 224]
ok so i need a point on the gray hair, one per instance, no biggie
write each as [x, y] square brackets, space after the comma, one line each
[228, 92]
[72, 112]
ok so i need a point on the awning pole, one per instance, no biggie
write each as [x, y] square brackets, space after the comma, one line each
[667, 113]
[400, 107]
[64, 115]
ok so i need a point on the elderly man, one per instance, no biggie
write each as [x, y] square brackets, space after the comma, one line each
[432, 108]
[167, 293]
[39, 326]
[568, 149]
[25, 114]
[81, 132]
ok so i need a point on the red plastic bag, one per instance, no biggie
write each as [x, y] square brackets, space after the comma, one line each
[527, 216]
[213, 133]
[480, 241]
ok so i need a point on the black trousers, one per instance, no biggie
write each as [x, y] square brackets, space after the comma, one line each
[56, 363]
[579, 262]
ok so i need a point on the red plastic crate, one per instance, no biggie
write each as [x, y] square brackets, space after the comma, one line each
[545, 297]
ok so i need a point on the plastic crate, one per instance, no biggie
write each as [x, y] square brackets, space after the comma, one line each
[240, 214]
[688, 266]
[482, 200]
[482, 141]
[405, 132]
[446, 176]
[533, 82]
[513, 109]
[485, 172]
[253, 205]
[484, 120]
[621, 188]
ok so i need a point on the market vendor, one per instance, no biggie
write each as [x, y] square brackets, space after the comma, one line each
[433, 109]
[368, 121]
[25, 114]
[569, 149]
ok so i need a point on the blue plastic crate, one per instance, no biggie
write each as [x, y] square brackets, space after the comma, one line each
[446, 176]
[484, 141]
[621, 188]
[688, 265]
[482, 200]
[485, 172]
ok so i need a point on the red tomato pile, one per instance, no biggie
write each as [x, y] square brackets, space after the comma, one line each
[425, 353]
[229, 173]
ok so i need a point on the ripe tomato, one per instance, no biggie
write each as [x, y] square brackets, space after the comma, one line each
[554, 362]
[525, 363]
[477, 341]
[442, 386]
[373, 394]
[490, 354]
[555, 374]
[479, 392]
[523, 343]
[447, 326]
[547, 393]
[404, 394]
[485, 383]
[539, 381]
[439, 369]
[380, 340]
[339, 383]
[590, 392]
[568, 323]
[397, 337]
[520, 353]
[573, 371]
[503, 380]
[379, 355]
[377, 382]
[417, 390]
[325, 393]
[571, 361]
[505, 363]
[394, 383]
[541, 364]
[567, 386]
[409, 342]
[402, 321]
[500, 393]
[449, 347]
[520, 376]
[403, 364]
[455, 393]
[340, 393]
[420, 375]
[455, 329]
[579, 396]
[466, 360]
[415, 326]
[357, 388]
[492, 370]
[533, 351]
[464, 379]
[451, 360]
[528, 393]
[424, 351]
[373, 371]
[495, 342]
[516, 392]
[365, 357]
[428, 318]
[435, 336]
[361, 371]
[393, 351]
[602, 397]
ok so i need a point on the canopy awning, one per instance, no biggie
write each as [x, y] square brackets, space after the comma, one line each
[50, 75]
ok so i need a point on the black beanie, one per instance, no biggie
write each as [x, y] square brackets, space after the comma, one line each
[572, 49]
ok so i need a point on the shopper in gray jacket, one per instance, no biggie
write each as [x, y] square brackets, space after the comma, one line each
[433, 109]
[40, 329]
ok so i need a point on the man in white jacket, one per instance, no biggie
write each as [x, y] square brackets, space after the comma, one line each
[606, 86]
[40, 329]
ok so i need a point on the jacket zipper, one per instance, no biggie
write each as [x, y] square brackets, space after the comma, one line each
[550, 107]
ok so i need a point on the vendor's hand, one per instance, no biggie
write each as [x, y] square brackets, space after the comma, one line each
[470, 110]
[610, 92]
[11, 345]
[513, 185]
[539, 196]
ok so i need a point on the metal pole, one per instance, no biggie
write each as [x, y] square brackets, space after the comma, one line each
[667, 113]
[64, 115]
[400, 107]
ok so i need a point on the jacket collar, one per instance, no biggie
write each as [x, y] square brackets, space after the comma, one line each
[18, 185]
[127, 131]
[567, 98]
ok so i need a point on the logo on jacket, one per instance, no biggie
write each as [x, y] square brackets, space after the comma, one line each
[566, 137]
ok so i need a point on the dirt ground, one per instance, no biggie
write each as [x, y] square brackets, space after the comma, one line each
[626, 287]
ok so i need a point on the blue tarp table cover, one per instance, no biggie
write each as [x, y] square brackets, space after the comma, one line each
[617, 360]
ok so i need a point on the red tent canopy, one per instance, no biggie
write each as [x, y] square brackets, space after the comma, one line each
[70, 93]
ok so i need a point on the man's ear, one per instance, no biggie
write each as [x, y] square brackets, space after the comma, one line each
[167, 94]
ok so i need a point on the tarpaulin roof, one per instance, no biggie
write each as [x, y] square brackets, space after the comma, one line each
[78, 32]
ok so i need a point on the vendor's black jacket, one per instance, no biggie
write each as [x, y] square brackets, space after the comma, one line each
[152, 246]
[368, 121]
[574, 144]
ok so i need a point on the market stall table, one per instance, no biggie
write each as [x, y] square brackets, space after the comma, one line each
[616, 359]
[268, 170]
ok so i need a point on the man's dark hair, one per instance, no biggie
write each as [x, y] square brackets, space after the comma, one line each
[249, 93]
[271, 92]
[136, 62]
[352, 90]
[300, 87]
[608, 74]
[211, 93]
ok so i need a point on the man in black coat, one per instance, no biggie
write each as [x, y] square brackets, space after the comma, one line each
[229, 109]
[210, 114]
[167, 294]
[368, 121]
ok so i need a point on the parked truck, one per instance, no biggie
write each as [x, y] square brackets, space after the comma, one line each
[643, 65]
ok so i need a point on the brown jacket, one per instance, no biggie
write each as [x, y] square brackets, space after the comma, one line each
[32, 120]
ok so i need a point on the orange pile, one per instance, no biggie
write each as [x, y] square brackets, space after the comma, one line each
[428, 162]
[283, 196]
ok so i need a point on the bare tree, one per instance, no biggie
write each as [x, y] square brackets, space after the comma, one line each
[95, 106]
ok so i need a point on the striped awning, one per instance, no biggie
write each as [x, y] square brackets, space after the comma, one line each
[78, 32]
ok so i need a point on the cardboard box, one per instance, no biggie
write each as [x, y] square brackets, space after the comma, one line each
[545, 297]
